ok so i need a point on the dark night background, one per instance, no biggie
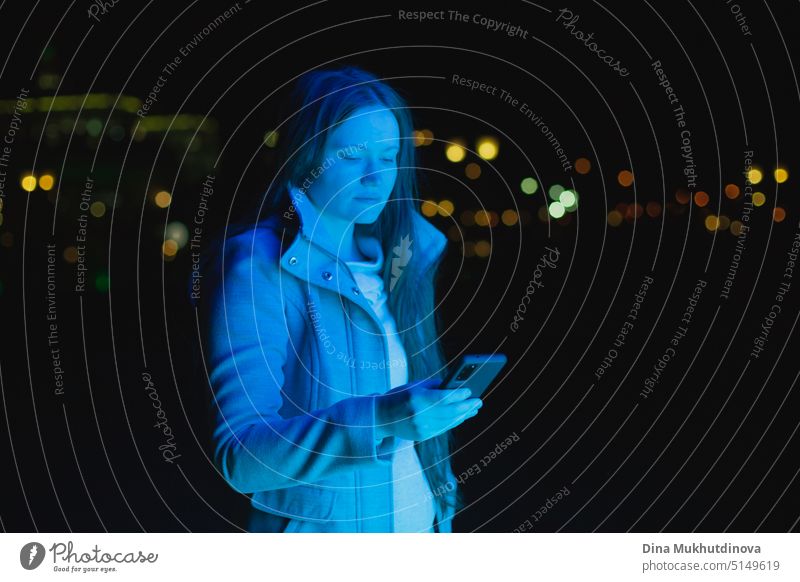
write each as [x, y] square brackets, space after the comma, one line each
[713, 448]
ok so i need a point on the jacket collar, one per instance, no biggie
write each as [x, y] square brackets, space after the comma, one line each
[312, 255]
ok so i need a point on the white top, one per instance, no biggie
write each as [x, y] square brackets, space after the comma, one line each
[413, 502]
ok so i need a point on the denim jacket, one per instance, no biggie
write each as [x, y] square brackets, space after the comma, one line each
[296, 357]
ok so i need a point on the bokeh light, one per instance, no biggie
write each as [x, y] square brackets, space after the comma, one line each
[653, 209]
[778, 214]
[178, 232]
[482, 218]
[568, 198]
[509, 217]
[472, 171]
[555, 191]
[46, 182]
[701, 198]
[483, 248]
[529, 186]
[487, 148]
[711, 222]
[556, 209]
[625, 178]
[732, 191]
[169, 248]
[28, 183]
[271, 138]
[162, 199]
[755, 175]
[583, 166]
[429, 208]
[614, 218]
[682, 197]
[446, 208]
[759, 199]
[455, 152]
[97, 209]
[781, 175]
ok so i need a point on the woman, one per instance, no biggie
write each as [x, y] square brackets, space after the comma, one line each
[320, 330]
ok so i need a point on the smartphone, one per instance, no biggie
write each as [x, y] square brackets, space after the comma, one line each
[475, 371]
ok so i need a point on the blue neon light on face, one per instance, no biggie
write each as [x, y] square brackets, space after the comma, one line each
[359, 167]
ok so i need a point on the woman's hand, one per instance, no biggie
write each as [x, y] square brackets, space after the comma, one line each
[421, 410]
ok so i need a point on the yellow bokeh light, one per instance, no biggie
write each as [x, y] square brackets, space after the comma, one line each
[163, 199]
[487, 148]
[483, 248]
[509, 217]
[759, 198]
[446, 208]
[736, 228]
[755, 176]
[614, 218]
[712, 222]
[724, 222]
[429, 208]
[97, 209]
[46, 182]
[28, 183]
[482, 218]
[419, 138]
[169, 248]
[271, 138]
[455, 152]
[781, 175]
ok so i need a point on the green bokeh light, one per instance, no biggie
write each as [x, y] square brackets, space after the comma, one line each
[556, 209]
[529, 186]
[555, 191]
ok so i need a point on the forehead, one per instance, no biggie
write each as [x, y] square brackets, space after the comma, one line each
[371, 124]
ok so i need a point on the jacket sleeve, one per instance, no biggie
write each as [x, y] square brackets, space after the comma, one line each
[247, 342]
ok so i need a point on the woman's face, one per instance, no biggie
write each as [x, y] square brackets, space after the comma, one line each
[359, 166]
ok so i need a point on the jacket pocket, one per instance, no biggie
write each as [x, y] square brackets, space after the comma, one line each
[306, 502]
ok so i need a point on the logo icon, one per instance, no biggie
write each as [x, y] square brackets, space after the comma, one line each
[402, 254]
[31, 555]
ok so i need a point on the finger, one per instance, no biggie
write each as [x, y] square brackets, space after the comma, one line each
[448, 396]
[454, 409]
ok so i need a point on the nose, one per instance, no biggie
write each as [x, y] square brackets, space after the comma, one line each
[371, 175]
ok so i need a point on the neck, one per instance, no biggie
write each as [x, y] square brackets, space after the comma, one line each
[343, 234]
